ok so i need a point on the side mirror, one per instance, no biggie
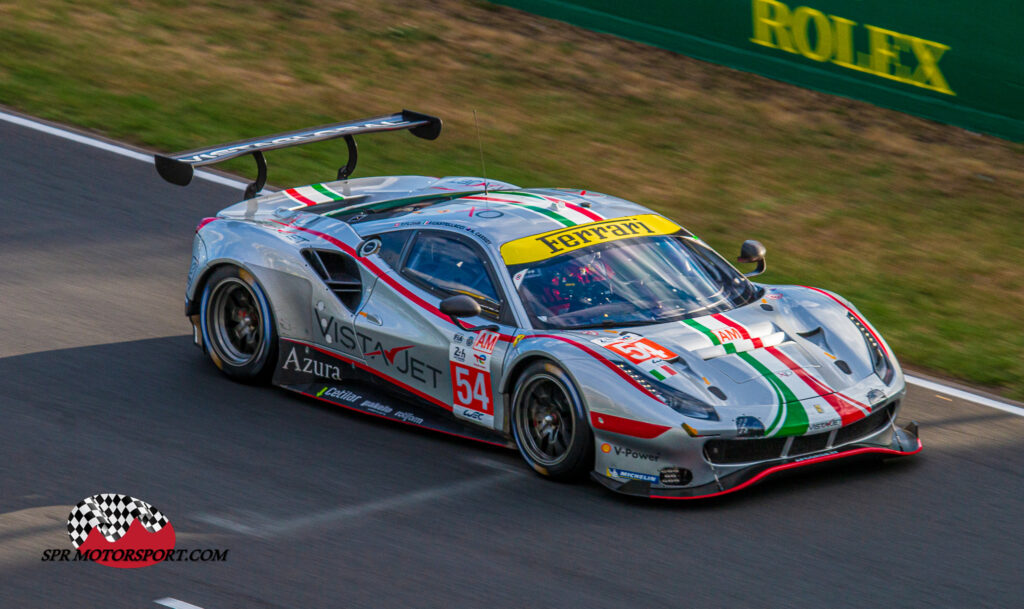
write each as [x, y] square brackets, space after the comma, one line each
[753, 251]
[458, 306]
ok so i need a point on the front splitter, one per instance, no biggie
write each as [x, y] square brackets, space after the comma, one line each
[905, 443]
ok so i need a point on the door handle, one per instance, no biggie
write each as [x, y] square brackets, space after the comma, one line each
[373, 319]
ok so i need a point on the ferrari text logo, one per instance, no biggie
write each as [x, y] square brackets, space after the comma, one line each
[546, 245]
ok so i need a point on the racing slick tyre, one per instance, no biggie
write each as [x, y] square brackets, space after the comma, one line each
[549, 423]
[238, 326]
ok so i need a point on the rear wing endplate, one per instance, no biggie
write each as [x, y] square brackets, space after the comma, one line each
[178, 168]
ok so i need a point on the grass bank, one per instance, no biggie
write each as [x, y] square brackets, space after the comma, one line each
[919, 224]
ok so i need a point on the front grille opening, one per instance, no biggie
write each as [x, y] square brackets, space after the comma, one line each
[727, 452]
[809, 444]
[340, 273]
[743, 451]
[866, 426]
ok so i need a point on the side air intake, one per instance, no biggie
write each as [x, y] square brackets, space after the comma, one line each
[340, 273]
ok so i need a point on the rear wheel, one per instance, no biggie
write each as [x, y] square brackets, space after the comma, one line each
[238, 326]
[549, 423]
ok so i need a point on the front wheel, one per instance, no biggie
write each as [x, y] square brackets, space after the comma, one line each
[549, 423]
[238, 326]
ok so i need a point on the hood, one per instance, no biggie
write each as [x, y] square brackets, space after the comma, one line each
[790, 363]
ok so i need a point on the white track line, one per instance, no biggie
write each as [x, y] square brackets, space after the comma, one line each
[219, 179]
[174, 603]
[107, 146]
[964, 395]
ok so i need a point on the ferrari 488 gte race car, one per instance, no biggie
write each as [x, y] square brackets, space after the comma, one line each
[591, 333]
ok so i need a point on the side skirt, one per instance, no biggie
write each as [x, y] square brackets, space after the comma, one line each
[341, 382]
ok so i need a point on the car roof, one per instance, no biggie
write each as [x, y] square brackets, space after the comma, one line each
[496, 216]
[493, 212]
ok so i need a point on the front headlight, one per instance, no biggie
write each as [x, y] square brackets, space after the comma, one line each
[675, 399]
[883, 367]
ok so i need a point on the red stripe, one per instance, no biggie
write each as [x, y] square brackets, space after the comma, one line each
[849, 409]
[494, 199]
[291, 192]
[779, 468]
[732, 324]
[576, 208]
[386, 278]
[379, 416]
[757, 342]
[878, 340]
[409, 388]
[627, 427]
[203, 223]
[603, 360]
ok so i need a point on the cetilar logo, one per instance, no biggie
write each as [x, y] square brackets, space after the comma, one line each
[120, 531]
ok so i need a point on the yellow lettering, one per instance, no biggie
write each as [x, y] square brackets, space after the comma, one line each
[927, 73]
[882, 53]
[777, 27]
[771, 25]
[843, 35]
[822, 50]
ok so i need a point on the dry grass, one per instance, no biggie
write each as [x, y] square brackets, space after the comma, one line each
[918, 223]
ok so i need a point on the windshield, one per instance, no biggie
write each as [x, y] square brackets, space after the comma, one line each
[631, 282]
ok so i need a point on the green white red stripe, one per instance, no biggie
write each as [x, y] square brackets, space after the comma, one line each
[728, 336]
[805, 403]
[314, 194]
[556, 210]
[659, 369]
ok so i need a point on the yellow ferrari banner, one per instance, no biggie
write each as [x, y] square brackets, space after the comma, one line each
[547, 245]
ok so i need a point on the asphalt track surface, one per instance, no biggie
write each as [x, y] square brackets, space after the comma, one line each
[102, 391]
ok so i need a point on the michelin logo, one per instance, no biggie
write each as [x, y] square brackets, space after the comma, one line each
[622, 473]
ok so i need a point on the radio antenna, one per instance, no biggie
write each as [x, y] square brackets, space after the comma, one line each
[480, 144]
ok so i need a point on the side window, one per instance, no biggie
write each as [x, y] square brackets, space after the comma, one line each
[446, 266]
[391, 246]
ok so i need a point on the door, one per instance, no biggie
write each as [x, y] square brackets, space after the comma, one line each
[404, 335]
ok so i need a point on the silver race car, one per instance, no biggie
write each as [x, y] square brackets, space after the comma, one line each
[595, 335]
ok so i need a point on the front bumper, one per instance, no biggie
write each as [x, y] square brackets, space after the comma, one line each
[905, 441]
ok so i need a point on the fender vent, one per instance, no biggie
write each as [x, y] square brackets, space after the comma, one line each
[340, 273]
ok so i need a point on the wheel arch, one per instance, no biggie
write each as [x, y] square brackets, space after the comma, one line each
[192, 304]
[519, 367]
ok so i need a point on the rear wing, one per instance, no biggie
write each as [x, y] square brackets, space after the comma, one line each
[178, 168]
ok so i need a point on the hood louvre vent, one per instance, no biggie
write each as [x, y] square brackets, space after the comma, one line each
[340, 273]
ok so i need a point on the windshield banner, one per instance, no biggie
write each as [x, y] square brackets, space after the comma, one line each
[548, 245]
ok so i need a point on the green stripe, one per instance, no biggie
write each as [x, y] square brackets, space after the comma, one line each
[377, 206]
[528, 194]
[706, 332]
[657, 375]
[557, 217]
[320, 188]
[795, 420]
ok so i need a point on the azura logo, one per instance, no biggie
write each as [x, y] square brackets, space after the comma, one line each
[120, 531]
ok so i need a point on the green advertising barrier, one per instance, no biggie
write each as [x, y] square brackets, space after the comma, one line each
[953, 62]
